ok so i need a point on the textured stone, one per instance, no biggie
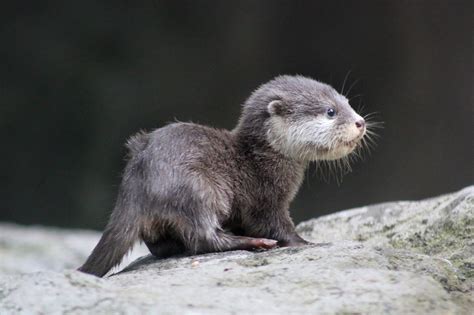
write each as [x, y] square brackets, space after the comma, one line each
[35, 248]
[441, 228]
[393, 258]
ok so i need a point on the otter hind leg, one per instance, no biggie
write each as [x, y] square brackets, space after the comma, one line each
[200, 243]
[219, 241]
[250, 243]
[165, 248]
[194, 218]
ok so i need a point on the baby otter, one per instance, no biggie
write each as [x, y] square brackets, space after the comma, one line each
[193, 189]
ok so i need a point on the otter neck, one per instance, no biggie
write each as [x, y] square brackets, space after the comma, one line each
[250, 135]
[253, 146]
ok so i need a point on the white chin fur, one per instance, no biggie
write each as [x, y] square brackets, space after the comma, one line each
[336, 154]
[306, 140]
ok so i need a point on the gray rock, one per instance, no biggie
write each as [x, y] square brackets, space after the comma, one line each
[441, 228]
[35, 248]
[394, 258]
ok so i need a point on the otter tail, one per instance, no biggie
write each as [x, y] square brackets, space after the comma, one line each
[118, 238]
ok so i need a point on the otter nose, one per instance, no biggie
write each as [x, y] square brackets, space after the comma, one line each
[360, 124]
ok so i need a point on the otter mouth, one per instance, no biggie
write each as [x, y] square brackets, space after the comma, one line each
[351, 143]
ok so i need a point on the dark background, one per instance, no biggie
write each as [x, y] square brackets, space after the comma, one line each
[79, 77]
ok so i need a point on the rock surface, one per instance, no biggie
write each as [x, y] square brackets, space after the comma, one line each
[35, 248]
[395, 258]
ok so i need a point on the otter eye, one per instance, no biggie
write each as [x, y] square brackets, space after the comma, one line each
[331, 112]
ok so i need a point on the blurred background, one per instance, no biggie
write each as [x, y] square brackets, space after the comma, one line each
[78, 78]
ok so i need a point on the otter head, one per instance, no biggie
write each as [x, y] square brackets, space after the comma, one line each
[308, 120]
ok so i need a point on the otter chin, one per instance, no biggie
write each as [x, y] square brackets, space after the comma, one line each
[192, 189]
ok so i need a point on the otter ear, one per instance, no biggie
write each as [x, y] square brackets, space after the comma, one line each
[276, 107]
